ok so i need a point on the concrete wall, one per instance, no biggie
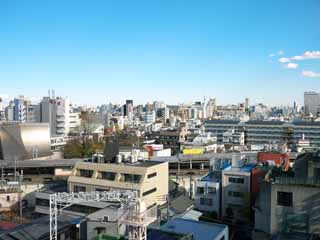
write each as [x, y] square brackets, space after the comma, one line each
[272, 218]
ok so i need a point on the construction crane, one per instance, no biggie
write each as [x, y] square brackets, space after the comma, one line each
[133, 211]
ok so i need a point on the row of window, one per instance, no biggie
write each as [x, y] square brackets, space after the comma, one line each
[236, 180]
[210, 190]
[111, 176]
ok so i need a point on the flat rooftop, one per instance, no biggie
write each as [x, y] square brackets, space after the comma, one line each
[246, 168]
[199, 230]
[40, 163]
[212, 176]
[147, 163]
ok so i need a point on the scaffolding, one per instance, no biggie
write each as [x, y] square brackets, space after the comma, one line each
[133, 211]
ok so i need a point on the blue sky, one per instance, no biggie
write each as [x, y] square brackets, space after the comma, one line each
[95, 51]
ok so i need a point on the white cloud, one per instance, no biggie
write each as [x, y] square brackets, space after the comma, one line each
[272, 55]
[280, 52]
[284, 60]
[307, 55]
[310, 74]
[291, 65]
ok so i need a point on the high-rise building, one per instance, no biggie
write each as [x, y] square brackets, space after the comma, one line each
[246, 104]
[126, 106]
[150, 117]
[20, 109]
[56, 111]
[9, 111]
[311, 103]
[129, 110]
[211, 107]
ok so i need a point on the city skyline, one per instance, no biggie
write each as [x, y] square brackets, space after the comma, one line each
[170, 51]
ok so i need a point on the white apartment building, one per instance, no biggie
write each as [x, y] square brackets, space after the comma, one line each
[208, 193]
[236, 190]
[58, 113]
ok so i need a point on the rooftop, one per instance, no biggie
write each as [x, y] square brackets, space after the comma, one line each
[223, 121]
[147, 163]
[39, 229]
[212, 176]
[199, 230]
[246, 168]
[157, 234]
[41, 163]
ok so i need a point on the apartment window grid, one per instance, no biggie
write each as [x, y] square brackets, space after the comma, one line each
[206, 201]
[236, 180]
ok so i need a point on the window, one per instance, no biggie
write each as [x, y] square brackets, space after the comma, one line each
[101, 230]
[284, 199]
[149, 192]
[235, 194]
[206, 201]
[132, 178]
[211, 190]
[42, 202]
[200, 190]
[77, 188]
[85, 173]
[108, 176]
[151, 175]
[236, 180]
[101, 190]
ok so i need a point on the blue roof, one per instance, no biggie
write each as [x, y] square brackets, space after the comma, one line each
[214, 175]
[199, 230]
[248, 167]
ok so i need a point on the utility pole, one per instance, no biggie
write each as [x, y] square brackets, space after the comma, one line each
[168, 205]
[20, 194]
[15, 168]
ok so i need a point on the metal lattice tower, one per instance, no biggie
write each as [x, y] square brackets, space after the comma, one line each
[133, 212]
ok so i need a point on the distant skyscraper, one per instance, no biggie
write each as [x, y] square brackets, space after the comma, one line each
[246, 104]
[20, 109]
[129, 110]
[211, 107]
[150, 117]
[311, 103]
[9, 112]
